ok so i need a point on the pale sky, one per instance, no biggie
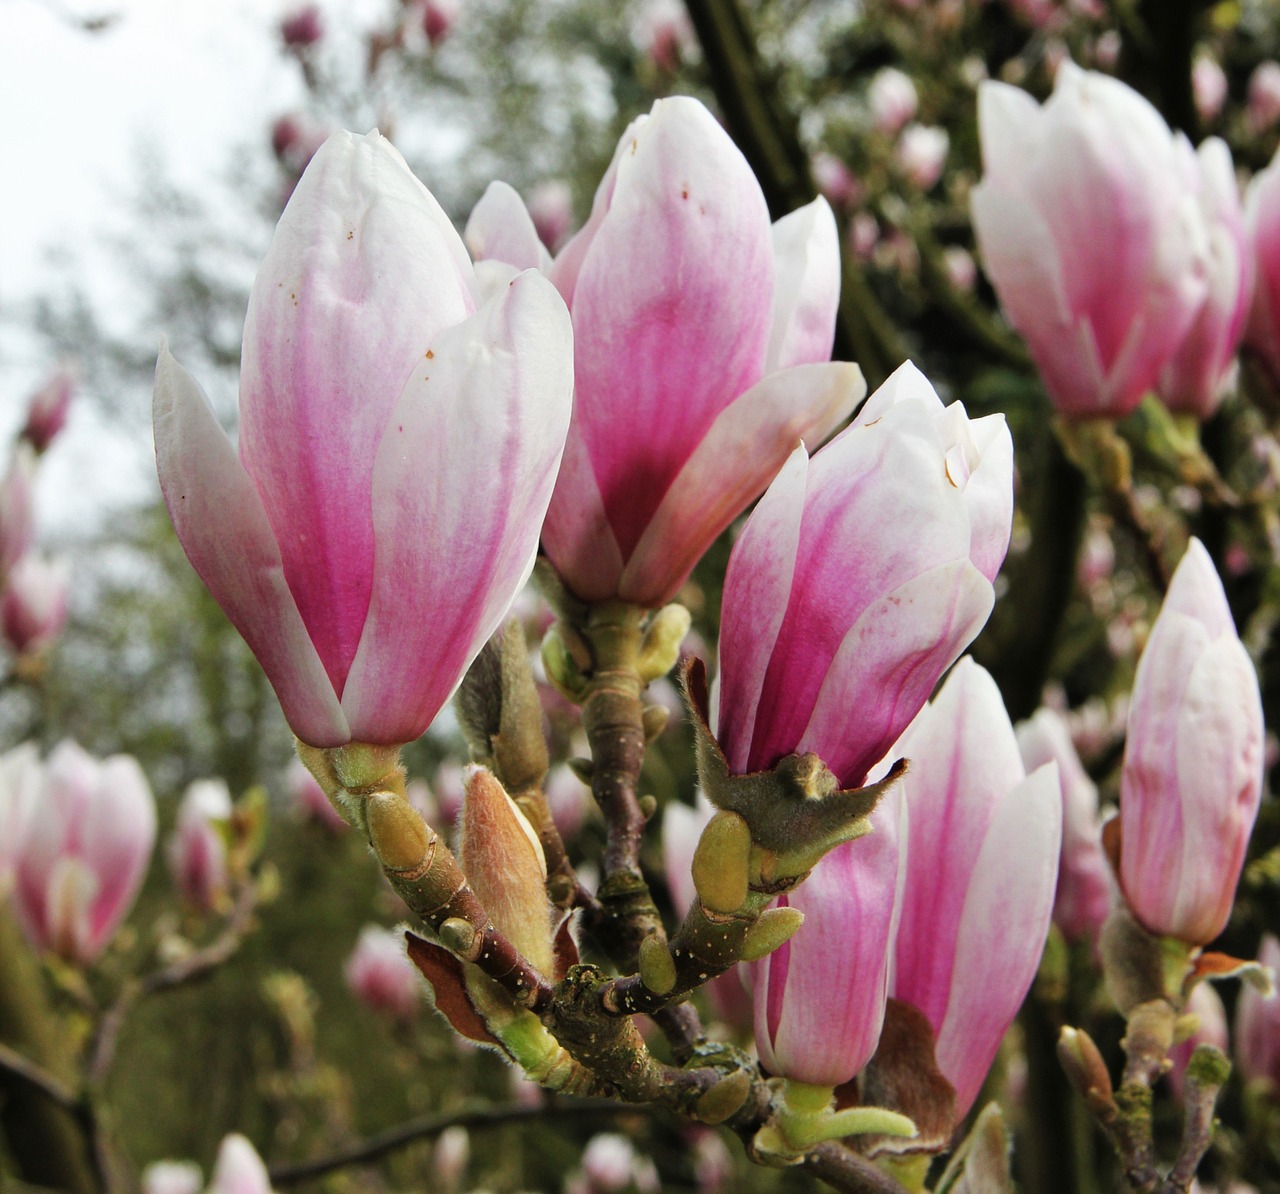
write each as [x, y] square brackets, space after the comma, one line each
[194, 78]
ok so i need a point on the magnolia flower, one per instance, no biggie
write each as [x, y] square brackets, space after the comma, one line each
[1262, 230]
[1264, 96]
[380, 975]
[238, 1169]
[820, 997]
[859, 579]
[981, 868]
[1208, 87]
[1204, 364]
[84, 853]
[922, 153]
[1083, 898]
[397, 451]
[47, 410]
[17, 512]
[21, 777]
[1192, 774]
[891, 96]
[1091, 230]
[701, 338]
[197, 851]
[33, 606]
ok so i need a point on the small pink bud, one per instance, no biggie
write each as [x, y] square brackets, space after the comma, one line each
[172, 1177]
[380, 974]
[713, 1166]
[238, 1169]
[450, 1158]
[295, 140]
[21, 777]
[309, 799]
[1264, 96]
[864, 234]
[302, 27]
[835, 181]
[33, 608]
[610, 1164]
[962, 271]
[86, 850]
[197, 851]
[664, 33]
[1262, 224]
[859, 579]
[1208, 87]
[981, 869]
[551, 209]
[922, 154]
[1257, 1026]
[1102, 314]
[892, 99]
[1106, 50]
[17, 510]
[48, 408]
[1083, 898]
[439, 18]
[1192, 774]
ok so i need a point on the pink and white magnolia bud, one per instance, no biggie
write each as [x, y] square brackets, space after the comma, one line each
[172, 1177]
[309, 798]
[1205, 1003]
[551, 209]
[397, 451]
[820, 997]
[17, 509]
[296, 139]
[981, 868]
[864, 234]
[1083, 898]
[1264, 96]
[439, 18]
[1202, 368]
[611, 1164]
[1192, 774]
[664, 34]
[1262, 229]
[1106, 49]
[303, 27]
[1208, 87]
[1257, 1025]
[380, 974]
[835, 181]
[1102, 312]
[238, 1169]
[33, 607]
[860, 578]
[504, 863]
[85, 852]
[197, 851]
[450, 1158]
[701, 338]
[47, 411]
[922, 153]
[962, 270]
[892, 99]
[21, 777]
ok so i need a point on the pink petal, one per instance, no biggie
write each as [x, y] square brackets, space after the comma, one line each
[739, 455]
[757, 583]
[461, 484]
[1002, 930]
[501, 229]
[806, 294]
[363, 271]
[224, 531]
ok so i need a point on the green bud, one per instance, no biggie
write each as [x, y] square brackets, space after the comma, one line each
[775, 927]
[723, 1099]
[720, 863]
[657, 969]
[660, 647]
[562, 668]
[655, 718]
[401, 839]
[459, 936]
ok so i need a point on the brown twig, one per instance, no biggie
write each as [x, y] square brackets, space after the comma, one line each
[13, 1062]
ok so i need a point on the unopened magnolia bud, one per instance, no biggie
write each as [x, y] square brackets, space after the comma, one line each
[724, 1098]
[775, 927]
[401, 839]
[504, 863]
[720, 863]
[657, 970]
[648, 805]
[1084, 1065]
[558, 660]
[459, 936]
[660, 650]
[655, 718]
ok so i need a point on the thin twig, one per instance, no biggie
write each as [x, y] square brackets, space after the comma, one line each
[13, 1062]
[379, 1145]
